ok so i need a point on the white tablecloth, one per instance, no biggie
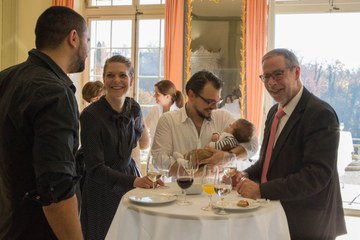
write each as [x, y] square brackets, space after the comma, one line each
[172, 221]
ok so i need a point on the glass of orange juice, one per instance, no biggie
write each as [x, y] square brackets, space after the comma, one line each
[208, 181]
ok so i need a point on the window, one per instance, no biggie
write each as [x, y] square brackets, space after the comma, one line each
[105, 42]
[150, 58]
[330, 69]
[134, 29]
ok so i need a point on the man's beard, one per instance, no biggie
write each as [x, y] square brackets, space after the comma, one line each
[202, 115]
[78, 64]
[81, 66]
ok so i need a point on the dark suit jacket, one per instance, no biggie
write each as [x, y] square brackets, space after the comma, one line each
[303, 170]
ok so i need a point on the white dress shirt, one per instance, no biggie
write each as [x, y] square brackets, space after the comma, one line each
[288, 109]
[176, 132]
[151, 120]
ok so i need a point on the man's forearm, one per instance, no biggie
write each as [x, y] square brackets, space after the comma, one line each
[63, 218]
[240, 152]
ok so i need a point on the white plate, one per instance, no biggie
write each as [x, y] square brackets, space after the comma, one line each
[152, 198]
[232, 204]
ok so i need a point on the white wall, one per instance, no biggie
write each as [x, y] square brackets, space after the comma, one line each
[17, 32]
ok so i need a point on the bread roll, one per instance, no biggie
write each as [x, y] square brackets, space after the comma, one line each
[242, 203]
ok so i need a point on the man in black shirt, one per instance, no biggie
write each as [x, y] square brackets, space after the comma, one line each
[39, 132]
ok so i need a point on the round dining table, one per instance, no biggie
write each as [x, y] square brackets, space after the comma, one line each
[154, 214]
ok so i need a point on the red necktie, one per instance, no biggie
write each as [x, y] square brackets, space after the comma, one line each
[279, 114]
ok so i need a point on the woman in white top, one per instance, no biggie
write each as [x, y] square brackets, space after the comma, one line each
[167, 99]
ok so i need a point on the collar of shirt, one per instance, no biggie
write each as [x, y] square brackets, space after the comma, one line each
[288, 109]
[36, 55]
[173, 107]
[184, 115]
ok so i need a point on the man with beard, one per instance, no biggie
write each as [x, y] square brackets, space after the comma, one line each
[39, 132]
[192, 126]
[297, 163]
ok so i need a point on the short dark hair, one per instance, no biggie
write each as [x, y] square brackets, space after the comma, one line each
[290, 58]
[197, 81]
[243, 130]
[54, 24]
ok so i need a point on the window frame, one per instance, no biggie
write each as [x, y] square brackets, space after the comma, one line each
[153, 11]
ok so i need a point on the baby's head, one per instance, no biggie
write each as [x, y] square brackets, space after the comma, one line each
[242, 129]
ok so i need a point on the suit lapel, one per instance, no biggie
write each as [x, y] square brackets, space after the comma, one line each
[290, 124]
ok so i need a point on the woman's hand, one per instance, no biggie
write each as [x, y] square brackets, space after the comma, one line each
[145, 182]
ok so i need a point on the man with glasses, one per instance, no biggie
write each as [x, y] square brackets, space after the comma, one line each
[298, 158]
[192, 126]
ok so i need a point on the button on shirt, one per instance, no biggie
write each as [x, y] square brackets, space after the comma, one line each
[176, 132]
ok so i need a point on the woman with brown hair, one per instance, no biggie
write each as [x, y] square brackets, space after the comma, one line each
[110, 129]
[92, 91]
[168, 98]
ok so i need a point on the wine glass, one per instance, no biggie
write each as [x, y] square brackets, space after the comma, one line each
[193, 160]
[223, 185]
[184, 178]
[164, 163]
[152, 171]
[230, 164]
[207, 184]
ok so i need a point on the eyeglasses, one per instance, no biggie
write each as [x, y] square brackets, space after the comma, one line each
[209, 102]
[276, 75]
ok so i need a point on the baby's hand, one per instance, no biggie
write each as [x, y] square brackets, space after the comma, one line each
[215, 137]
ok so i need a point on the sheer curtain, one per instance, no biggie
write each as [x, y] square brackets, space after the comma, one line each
[256, 38]
[66, 3]
[174, 38]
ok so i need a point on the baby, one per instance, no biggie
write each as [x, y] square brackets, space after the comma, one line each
[239, 131]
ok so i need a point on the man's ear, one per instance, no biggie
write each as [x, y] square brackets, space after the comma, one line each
[73, 38]
[297, 72]
[191, 94]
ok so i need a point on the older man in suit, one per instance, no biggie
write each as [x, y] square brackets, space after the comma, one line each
[298, 160]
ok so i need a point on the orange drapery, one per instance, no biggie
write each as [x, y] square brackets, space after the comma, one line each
[66, 3]
[174, 42]
[256, 38]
